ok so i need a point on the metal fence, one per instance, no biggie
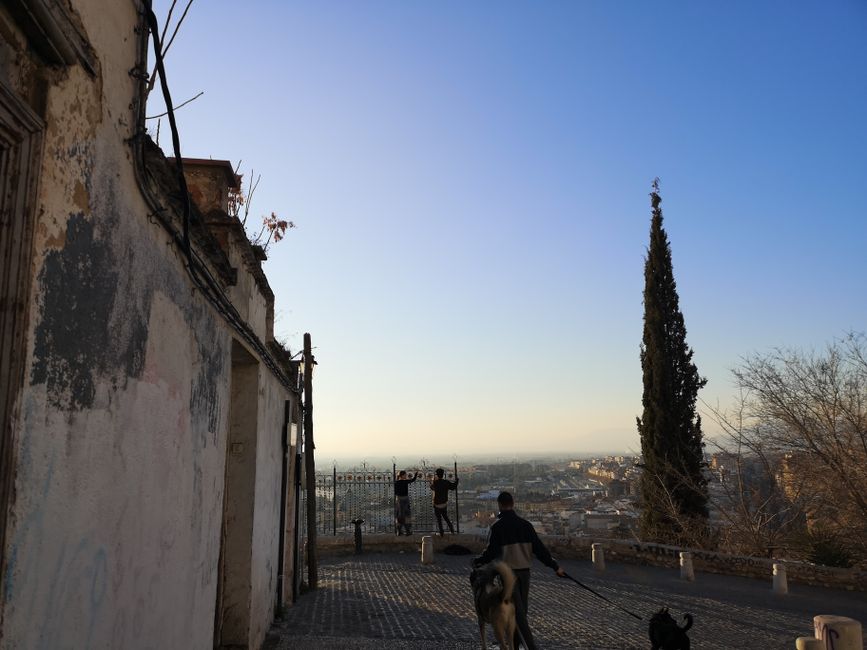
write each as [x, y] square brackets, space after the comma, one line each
[368, 494]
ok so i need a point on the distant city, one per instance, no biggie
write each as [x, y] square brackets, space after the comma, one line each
[594, 496]
[577, 495]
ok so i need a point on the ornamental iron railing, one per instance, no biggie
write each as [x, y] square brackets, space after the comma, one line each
[368, 494]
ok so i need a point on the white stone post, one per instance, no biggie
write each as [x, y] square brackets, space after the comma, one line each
[598, 555]
[809, 643]
[686, 572]
[838, 632]
[427, 550]
[781, 585]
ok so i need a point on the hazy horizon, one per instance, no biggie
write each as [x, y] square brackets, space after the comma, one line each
[381, 463]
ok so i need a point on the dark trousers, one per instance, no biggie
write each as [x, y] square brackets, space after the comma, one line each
[443, 513]
[521, 596]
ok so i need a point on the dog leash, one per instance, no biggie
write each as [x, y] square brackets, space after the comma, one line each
[596, 593]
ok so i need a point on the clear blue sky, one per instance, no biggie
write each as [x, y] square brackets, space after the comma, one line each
[470, 183]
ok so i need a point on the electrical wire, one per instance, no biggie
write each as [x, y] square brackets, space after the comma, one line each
[176, 142]
[196, 267]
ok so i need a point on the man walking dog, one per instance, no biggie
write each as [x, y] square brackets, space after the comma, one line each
[514, 541]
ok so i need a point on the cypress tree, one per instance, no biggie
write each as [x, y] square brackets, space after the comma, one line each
[673, 487]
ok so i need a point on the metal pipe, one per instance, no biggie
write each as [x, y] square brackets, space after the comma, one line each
[457, 509]
[334, 498]
[284, 480]
[310, 466]
[295, 549]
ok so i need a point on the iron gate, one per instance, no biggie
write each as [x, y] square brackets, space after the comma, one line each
[368, 494]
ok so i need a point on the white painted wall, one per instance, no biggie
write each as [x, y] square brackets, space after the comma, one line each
[266, 516]
[240, 493]
[245, 294]
[114, 532]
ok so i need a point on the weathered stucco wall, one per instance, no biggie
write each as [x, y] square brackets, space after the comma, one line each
[253, 504]
[19, 68]
[266, 535]
[245, 294]
[240, 494]
[115, 528]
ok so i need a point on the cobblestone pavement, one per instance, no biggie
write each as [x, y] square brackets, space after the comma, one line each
[390, 600]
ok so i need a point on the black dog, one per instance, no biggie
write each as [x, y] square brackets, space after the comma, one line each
[666, 634]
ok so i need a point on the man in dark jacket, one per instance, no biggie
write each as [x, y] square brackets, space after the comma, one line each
[514, 541]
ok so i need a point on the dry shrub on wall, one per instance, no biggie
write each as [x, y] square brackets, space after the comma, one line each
[273, 227]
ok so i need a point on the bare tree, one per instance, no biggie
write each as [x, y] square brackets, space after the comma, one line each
[758, 504]
[803, 417]
[668, 482]
[239, 200]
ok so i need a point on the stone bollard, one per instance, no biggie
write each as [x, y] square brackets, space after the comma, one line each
[598, 555]
[781, 585]
[809, 643]
[686, 572]
[427, 549]
[838, 632]
[357, 523]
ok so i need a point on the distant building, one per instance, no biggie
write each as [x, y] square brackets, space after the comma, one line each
[617, 488]
[595, 520]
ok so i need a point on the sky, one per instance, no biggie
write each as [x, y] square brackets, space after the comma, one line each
[470, 183]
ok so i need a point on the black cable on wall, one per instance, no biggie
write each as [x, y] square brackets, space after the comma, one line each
[195, 265]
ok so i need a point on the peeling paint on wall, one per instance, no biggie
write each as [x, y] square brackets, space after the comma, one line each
[203, 400]
[74, 345]
[115, 531]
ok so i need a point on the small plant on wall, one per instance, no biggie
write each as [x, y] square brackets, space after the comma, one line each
[273, 228]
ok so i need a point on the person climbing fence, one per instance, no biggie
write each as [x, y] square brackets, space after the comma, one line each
[402, 506]
[440, 487]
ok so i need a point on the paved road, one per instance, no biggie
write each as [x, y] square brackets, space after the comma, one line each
[390, 600]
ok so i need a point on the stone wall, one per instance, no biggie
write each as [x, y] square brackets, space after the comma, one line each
[628, 552]
[634, 552]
